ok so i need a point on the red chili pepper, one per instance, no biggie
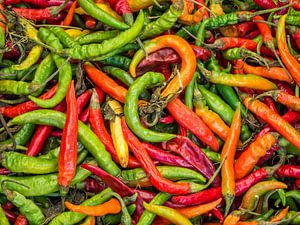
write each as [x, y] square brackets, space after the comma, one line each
[266, 4]
[167, 119]
[283, 86]
[182, 131]
[11, 216]
[214, 193]
[13, 111]
[84, 116]
[289, 171]
[192, 154]
[147, 164]
[42, 133]
[217, 213]
[297, 182]
[7, 205]
[245, 28]
[122, 8]
[41, 3]
[164, 157]
[191, 121]
[93, 186]
[21, 220]
[68, 146]
[4, 171]
[98, 126]
[164, 69]
[90, 22]
[252, 35]
[296, 4]
[269, 102]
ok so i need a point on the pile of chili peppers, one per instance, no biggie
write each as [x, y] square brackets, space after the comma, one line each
[149, 112]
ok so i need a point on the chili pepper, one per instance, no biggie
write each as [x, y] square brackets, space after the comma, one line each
[188, 18]
[165, 22]
[131, 108]
[122, 62]
[280, 215]
[11, 216]
[27, 207]
[110, 207]
[64, 37]
[214, 193]
[3, 219]
[94, 50]
[117, 134]
[233, 218]
[91, 185]
[273, 119]
[277, 73]
[76, 34]
[65, 72]
[228, 152]
[188, 97]
[122, 8]
[85, 135]
[116, 219]
[96, 37]
[17, 87]
[192, 154]
[292, 65]
[89, 221]
[13, 111]
[257, 149]
[97, 124]
[68, 147]
[91, 8]
[111, 181]
[165, 157]
[4, 171]
[21, 220]
[147, 164]
[40, 14]
[259, 189]
[170, 214]
[225, 43]
[169, 172]
[289, 171]
[223, 110]
[41, 134]
[69, 218]
[68, 19]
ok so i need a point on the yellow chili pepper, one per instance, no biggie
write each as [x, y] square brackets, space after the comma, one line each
[117, 133]
[75, 33]
[89, 221]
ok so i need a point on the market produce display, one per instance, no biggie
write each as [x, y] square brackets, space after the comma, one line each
[149, 112]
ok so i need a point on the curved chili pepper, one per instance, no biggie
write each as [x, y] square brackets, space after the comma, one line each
[289, 171]
[68, 147]
[68, 19]
[280, 215]
[290, 62]
[228, 152]
[286, 99]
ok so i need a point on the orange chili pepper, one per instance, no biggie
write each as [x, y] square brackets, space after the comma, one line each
[286, 99]
[187, 17]
[288, 59]
[257, 149]
[273, 119]
[67, 21]
[276, 73]
[228, 152]
[280, 215]
[89, 221]
[184, 50]
[233, 218]
[247, 223]
[191, 212]
[2, 18]
[110, 207]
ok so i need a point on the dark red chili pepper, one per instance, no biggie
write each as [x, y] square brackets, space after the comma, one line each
[245, 28]
[214, 193]
[252, 34]
[56, 133]
[42, 133]
[68, 147]
[165, 70]
[164, 157]
[4, 171]
[7, 205]
[289, 171]
[13, 111]
[217, 213]
[297, 182]
[192, 154]
[147, 164]
[98, 126]
[270, 102]
[21, 220]
[266, 4]
[182, 131]
[167, 119]
[93, 186]
[11, 216]
[84, 116]
[82, 100]
[111, 181]
[13, 52]
[283, 86]
[268, 155]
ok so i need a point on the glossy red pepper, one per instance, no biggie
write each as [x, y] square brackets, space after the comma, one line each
[289, 171]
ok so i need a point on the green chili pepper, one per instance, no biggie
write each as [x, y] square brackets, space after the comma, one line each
[116, 219]
[148, 217]
[9, 74]
[264, 216]
[293, 20]
[21, 163]
[292, 214]
[13, 87]
[54, 153]
[186, 31]
[85, 135]
[189, 92]
[131, 108]
[44, 70]
[64, 37]
[295, 194]
[120, 61]
[79, 21]
[96, 37]
[290, 148]
[216, 104]
[165, 22]
[124, 77]
[65, 72]
[213, 156]
[70, 218]
[28, 208]
[39, 185]
[94, 50]
[3, 219]
[126, 48]
[227, 19]
[201, 33]
[94, 11]
[170, 172]
[22, 136]
[2, 42]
